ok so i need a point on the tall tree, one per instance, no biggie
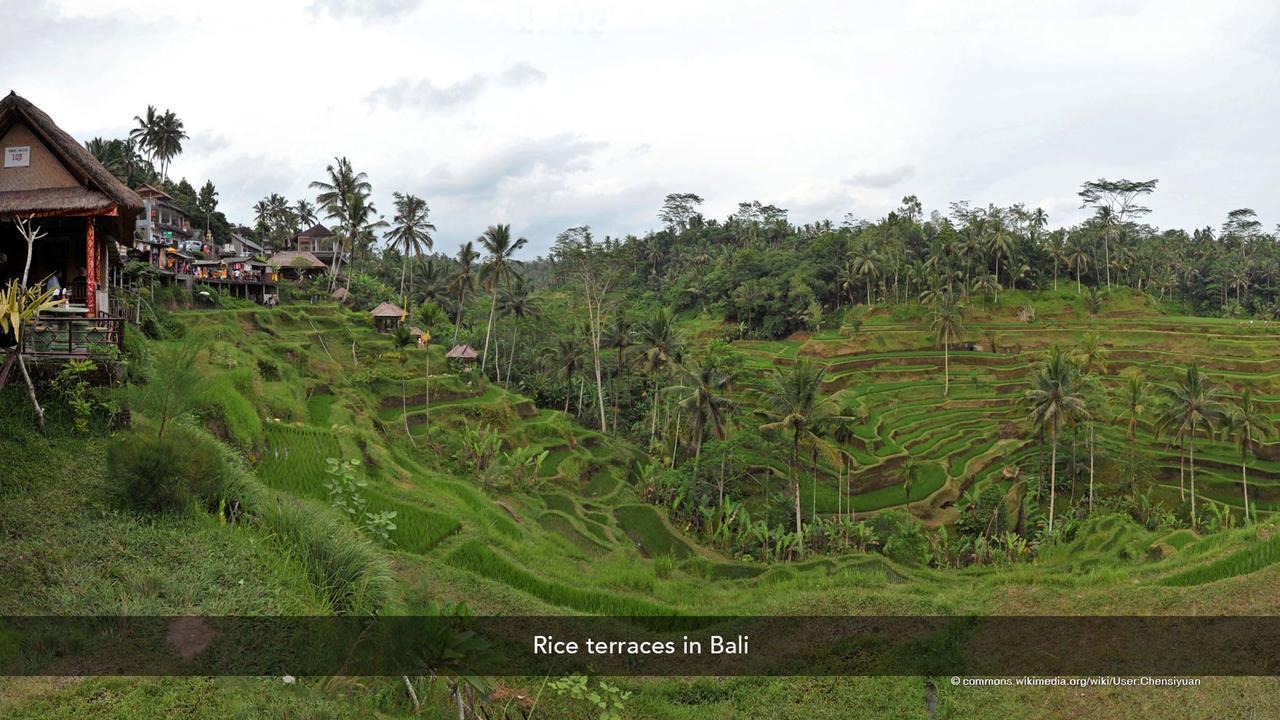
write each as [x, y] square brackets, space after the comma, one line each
[498, 268]
[801, 411]
[1056, 401]
[659, 345]
[1248, 424]
[410, 233]
[464, 281]
[1118, 201]
[591, 265]
[702, 389]
[1192, 404]
[947, 323]
[207, 202]
[337, 195]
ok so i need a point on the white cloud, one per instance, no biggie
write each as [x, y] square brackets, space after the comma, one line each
[549, 113]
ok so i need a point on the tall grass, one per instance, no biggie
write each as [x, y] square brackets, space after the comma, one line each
[347, 569]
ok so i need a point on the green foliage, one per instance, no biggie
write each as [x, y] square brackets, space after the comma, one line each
[72, 385]
[605, 701]
[165, 473]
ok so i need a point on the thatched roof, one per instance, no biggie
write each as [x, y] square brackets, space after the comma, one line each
[340, 294]
[415, 331]
[316, 231]
[387, 310]
[298, 259]
[100, 191]
[462, 352]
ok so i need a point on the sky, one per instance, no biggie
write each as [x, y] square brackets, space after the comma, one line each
[547, 114]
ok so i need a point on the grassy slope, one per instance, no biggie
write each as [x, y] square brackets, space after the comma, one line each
[562, 549]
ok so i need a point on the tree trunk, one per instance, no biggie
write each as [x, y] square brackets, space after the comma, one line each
[1091, 440]
[1192, 450]
[795, 487]
[488, 330]
[457, 325]
[511, 357]
[31, 390]
[1244, 483]
[1053, 475]
[946, 370]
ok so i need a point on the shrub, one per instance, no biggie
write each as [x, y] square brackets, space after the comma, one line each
[151, 472]
[165, 474]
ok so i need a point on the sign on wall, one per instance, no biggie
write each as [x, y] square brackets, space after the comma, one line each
[17, 156]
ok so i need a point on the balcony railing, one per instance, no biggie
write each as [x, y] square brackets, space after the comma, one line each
[70, 336]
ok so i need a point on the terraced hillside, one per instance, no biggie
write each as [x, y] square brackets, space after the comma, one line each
[578, 539]
[978, 436]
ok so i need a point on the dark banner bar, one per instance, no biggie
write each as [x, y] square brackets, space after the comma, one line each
[656, 646]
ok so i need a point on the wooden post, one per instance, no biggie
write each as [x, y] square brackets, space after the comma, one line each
[90, 269]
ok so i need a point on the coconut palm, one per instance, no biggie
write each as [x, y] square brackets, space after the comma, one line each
[144, 132]
[1248, 424]
[866, 263]
[947, 324]
[497, 271]
[620, 337]
[411, 233]
[659, 346]
[564, 360]
[801, 411]
[463, 281]
[1192, 404]
[1092, 355]
[166, 140]
[701, 392]
[518, 304]
[1056, 401]
[1078, 259]
[1134, 394]
[337, 194]
[306, 213]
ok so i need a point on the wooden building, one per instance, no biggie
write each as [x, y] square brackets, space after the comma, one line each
[387, 317]
[86, 217]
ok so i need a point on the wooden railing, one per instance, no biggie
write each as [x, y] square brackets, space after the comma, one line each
[56, 336]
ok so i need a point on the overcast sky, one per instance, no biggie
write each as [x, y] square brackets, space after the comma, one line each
[547, 114]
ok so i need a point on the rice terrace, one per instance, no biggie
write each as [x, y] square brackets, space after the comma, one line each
[310, 381]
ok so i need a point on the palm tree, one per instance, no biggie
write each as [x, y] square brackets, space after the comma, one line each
[363, 223]
[565, 359]
[1093, 354]
[145, 132]
[619, 337]
[910, 476]
[1133, 396]
[703, 387]
[166, 143]
[463, 280]
[1248, 424]
[337, 194]
[865, 263]
[1078, 260]
[801, 410]
[947, 324]
[518, 304]
[410, 231]
[999, 243]
[1192, 403]
[659, 345]
[1056, 400]
[498, 269]
[306, 213]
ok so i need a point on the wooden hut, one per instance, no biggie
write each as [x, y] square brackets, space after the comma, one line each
[84, 212]
[387, 317]
[465, 353]
[84, 219]
[297, 264]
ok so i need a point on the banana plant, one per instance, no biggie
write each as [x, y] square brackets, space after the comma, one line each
[19, 305]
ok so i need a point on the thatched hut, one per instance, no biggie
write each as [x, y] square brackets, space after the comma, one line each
[85, 214]
[297, 263]
[387, 317]
[341, 294]
[465, 353]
